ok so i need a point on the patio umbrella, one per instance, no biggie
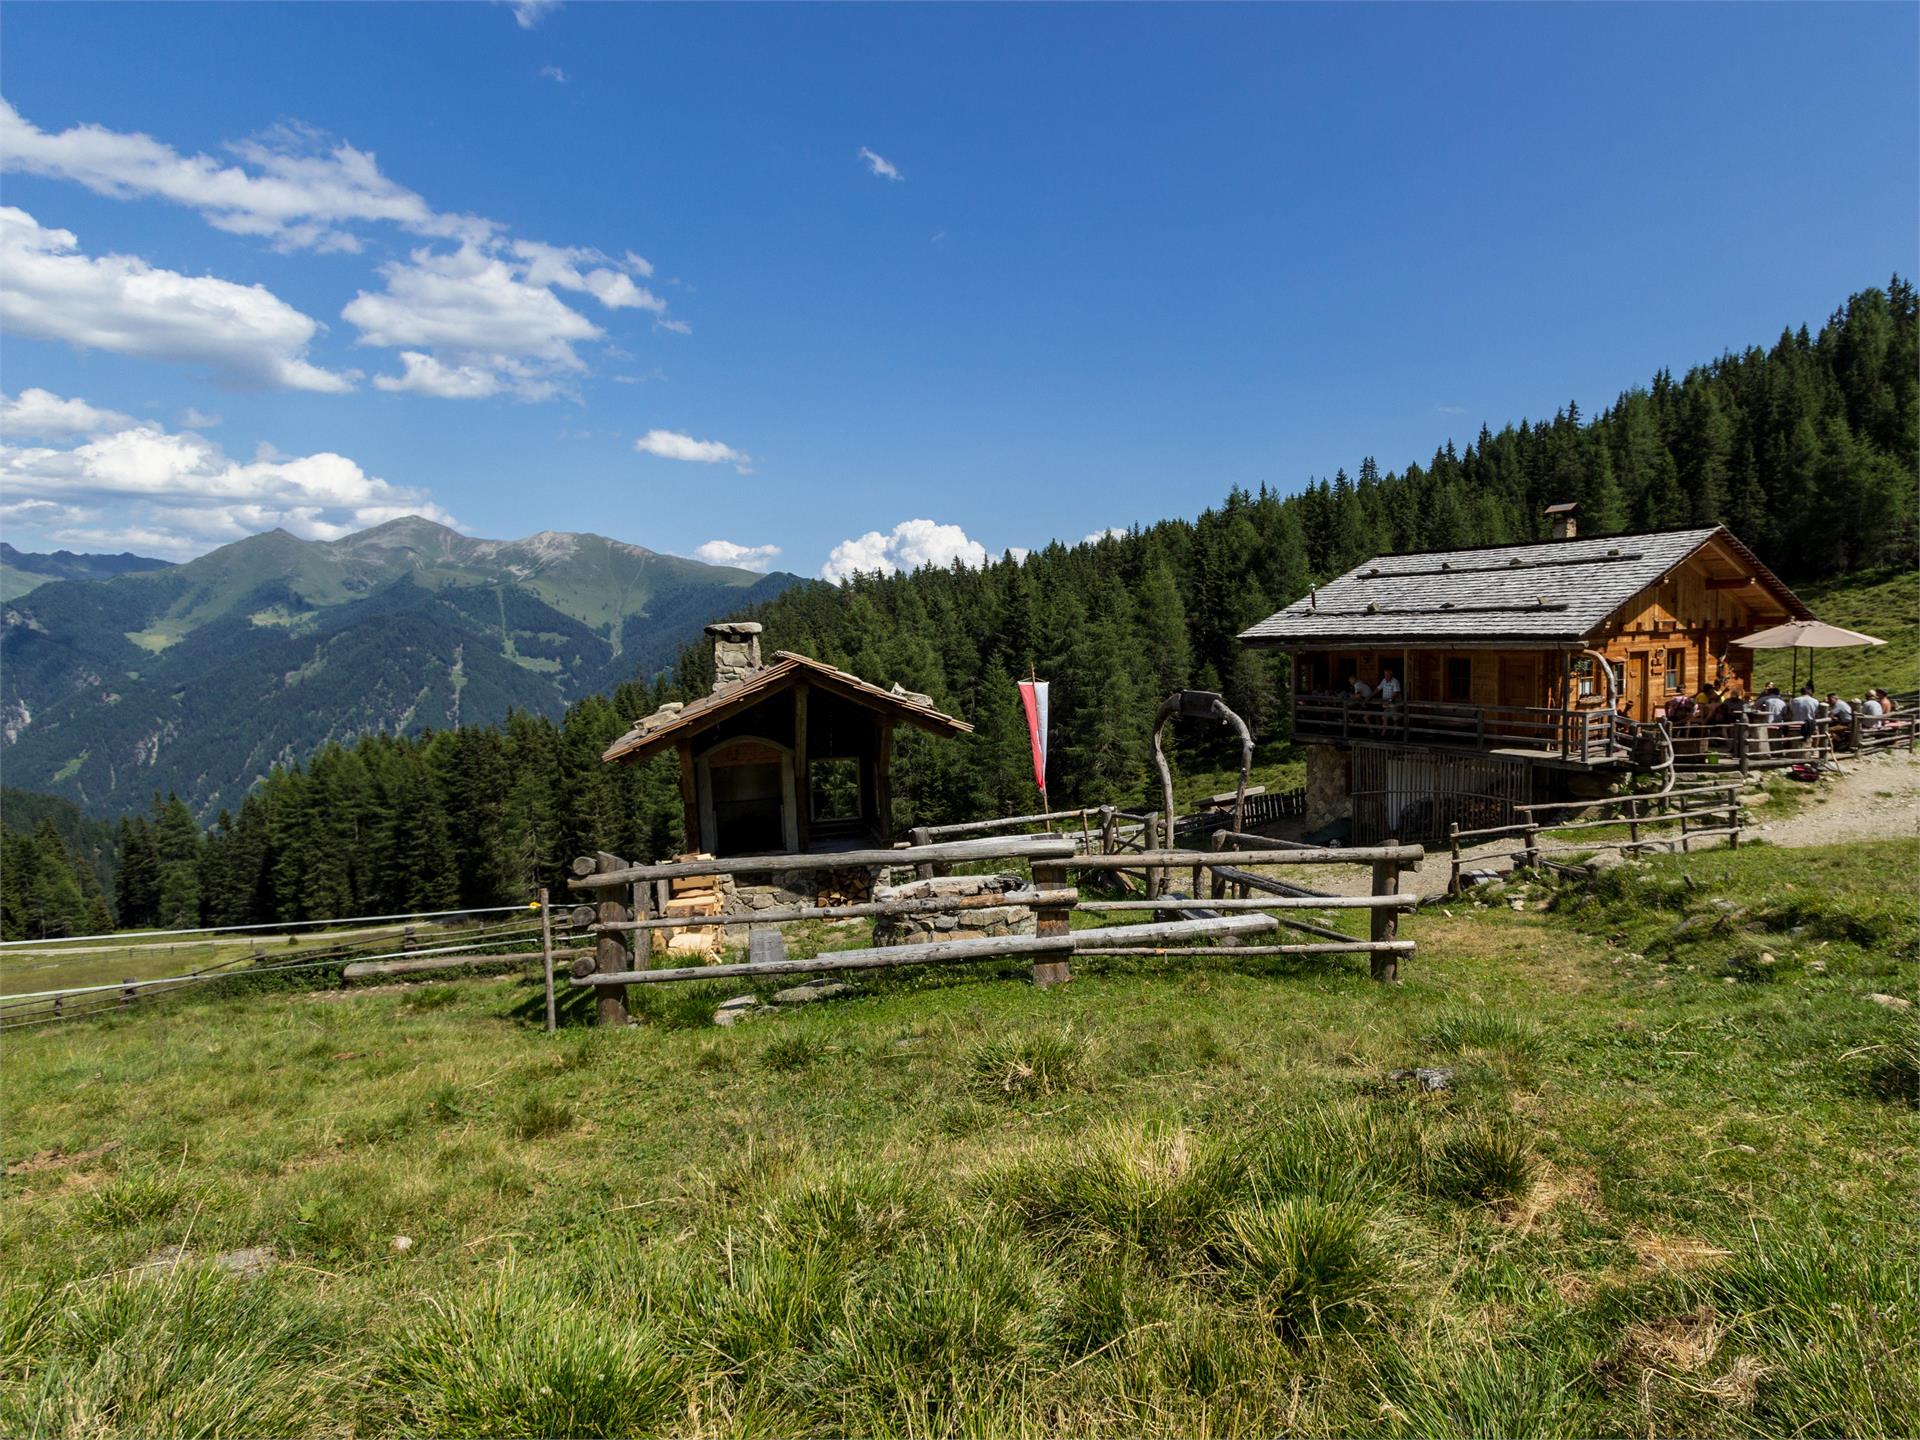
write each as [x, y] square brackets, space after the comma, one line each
[1798, 635]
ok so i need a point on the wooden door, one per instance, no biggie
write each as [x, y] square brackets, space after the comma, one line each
[1640, 684]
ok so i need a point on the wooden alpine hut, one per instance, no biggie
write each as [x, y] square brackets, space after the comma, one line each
[1489, 675]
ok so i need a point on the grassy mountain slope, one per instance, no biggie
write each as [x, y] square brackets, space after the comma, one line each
[21, 572]
[200, 677]
[1669, 1191]
[1885, 603]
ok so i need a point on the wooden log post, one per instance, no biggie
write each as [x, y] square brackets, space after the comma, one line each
[920, 835]
[1385, 922]
[129, 993]
[1633, 824]
[1109, 829]
[1531, 841]
[1684, 814]
[611, 955]
[1050, 922]
[408, 940]
[546, 957]
[1453, 870]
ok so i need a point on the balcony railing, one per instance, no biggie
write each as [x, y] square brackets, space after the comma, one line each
[1588, 736]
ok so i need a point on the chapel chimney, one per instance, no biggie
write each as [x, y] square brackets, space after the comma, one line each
[736, 651]
[1565, 519]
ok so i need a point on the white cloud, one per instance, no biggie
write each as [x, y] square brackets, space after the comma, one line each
[911, 544]
[245, 333]
[529, 13]
[553, 73]
[1451, 409]
[672, 445]
[678, 327]
[179, 494]
[43, 414]
[1112, 532]
[880, 165]
[744, 557]
[606, 281]
[195, 418]
[298, 192]
[299, 188]
[482, 313]
[425, 375]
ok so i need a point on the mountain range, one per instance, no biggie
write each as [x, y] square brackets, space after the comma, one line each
[21, 572]
[199, 677]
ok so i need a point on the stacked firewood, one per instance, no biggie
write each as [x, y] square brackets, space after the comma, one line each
[844, 887]
[692, 897]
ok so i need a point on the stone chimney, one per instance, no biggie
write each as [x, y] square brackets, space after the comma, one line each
[1566, 523]
[736, 651]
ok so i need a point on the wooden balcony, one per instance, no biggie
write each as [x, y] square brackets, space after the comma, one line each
[1584, 737]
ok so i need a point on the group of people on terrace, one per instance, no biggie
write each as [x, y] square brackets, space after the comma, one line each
[1728, 704]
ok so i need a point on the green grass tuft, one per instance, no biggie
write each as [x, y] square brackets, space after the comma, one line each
[518, 1360]
[1308, 1265]
[1029, 1066]
[539, 1116]
[1488, 1160]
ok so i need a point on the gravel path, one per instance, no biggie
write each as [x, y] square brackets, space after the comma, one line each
[1876, 798]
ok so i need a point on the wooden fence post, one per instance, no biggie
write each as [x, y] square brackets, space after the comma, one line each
[1453, 871]
[1051, 920]
[1733, 818]
[130, 993]
[546, 956]
[1385, 964]
[919, 836]
[1531, 841]
[610, 952]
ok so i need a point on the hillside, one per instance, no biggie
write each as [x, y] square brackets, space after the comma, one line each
[198, 678]
[21, 571]
[1668, 1191]
[1884, 603]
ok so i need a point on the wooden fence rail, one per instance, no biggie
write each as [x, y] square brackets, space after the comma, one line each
[613, 965]
[1683, 808]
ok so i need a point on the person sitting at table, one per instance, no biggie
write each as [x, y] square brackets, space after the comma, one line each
[1887, 707]
[1707, 705]
[1839, 719]
[1773, 704]
[1359, 690]
[1871, 710]
[1803, 708]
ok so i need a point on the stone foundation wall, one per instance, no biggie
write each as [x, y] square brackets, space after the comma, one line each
[954, 924]
[784, 890]
[1329, 785]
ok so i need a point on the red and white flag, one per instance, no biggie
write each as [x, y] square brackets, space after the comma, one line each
[1033, 696]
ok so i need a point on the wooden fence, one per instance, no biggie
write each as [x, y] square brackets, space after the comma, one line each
[1674, 820]
[626, 908]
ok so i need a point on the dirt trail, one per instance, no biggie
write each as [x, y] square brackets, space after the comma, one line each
[1876, 798]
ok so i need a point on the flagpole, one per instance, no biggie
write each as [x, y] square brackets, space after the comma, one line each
[1046, 806]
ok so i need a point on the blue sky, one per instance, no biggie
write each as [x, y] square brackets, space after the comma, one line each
[317, 265]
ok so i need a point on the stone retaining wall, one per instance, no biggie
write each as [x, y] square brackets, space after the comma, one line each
[955, 924]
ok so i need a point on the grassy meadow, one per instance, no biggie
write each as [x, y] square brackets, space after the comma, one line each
[1670, 1190]
[1885, 605]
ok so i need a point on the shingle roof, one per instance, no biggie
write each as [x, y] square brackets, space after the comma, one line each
[658, 729]
[1556, 590]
